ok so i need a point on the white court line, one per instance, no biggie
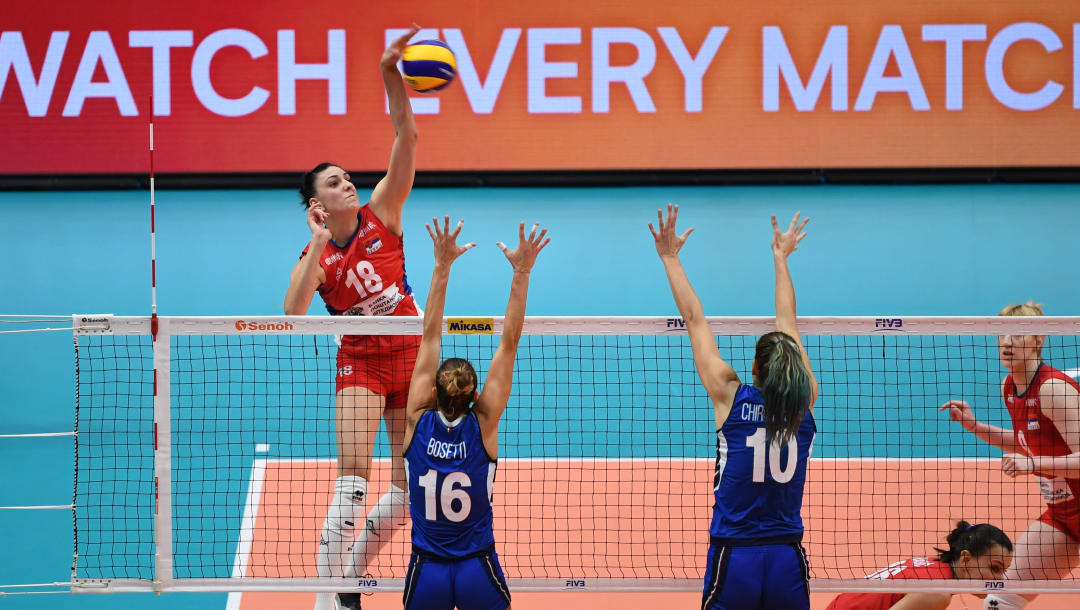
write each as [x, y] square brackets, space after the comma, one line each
[247, 529]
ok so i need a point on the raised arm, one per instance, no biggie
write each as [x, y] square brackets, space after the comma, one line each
[307, 275]
[427, 358]
[783, 244]
[391, 192]
[719, 379]
[492, 402]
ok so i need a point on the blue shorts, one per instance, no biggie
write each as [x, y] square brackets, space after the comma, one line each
[473, 583]
[768, 577]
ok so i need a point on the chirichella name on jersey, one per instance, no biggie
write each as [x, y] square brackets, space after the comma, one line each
[752, 412]
[446, 451]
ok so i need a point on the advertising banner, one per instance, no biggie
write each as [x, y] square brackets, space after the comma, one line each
[251, 86]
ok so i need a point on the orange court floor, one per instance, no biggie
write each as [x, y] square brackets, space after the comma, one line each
[861, 515]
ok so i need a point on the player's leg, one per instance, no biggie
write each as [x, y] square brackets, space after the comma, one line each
[357, 418]
[479, 584]
[1043, 552]
[390, 512]
[787, 578]
[428, 585]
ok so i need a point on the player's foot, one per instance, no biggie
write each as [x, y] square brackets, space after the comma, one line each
[348, 601]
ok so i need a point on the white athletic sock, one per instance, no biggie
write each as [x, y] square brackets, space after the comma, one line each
[324, 601]
[1004, 601]
[383, 520]
[339, 529]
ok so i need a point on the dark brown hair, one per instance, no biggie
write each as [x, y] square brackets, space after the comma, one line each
[784, 383]
[975, 539]
[455, 385]
[307, 183]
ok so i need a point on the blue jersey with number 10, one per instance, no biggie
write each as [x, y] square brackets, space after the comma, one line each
[758, 489]
[450, 482]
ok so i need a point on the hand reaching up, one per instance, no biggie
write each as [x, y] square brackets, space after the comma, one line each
[524, 255]
[446, 248]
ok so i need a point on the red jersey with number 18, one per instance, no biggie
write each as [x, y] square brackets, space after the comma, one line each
[365, 276]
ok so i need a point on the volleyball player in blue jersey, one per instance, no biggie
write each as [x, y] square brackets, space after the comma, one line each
[764, 433]
[451, 448]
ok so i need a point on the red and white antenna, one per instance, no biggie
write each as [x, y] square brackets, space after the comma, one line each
[153, 239]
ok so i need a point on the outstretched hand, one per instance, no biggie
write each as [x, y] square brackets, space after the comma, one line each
[392, 55]
[668, 242]
[787, 242]
[446, 248]
[524, 255]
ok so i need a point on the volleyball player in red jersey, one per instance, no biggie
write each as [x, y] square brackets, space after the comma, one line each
[1044, 405]
[356, 262]
[981, 552]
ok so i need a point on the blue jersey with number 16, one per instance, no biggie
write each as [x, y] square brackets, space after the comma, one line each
[450, 477]
[758, 488]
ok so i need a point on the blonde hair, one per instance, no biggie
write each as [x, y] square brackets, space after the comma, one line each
[1031, 308]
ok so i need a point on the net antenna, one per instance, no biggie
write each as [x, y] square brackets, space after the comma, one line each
[153, 238]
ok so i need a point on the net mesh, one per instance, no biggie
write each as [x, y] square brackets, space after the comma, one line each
[606, 452]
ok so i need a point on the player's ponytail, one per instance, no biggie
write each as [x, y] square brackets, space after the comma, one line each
[307, 183]
[455, 384]
[975, 539]
[785, 384]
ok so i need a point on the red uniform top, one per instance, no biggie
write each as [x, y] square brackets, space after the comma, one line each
[916, 568]
[365, 276]
[1036, 434]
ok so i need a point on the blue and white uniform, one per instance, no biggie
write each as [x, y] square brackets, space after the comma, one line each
[451, 477]
[756, 531]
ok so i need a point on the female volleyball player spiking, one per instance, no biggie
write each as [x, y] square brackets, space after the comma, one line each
[357, 263]
[1044, 405]
[451, 449]
[763, 437]
[981, 552]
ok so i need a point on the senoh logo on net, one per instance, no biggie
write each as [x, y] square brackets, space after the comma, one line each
[262, 326]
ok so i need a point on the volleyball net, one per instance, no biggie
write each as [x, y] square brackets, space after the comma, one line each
[206, 456]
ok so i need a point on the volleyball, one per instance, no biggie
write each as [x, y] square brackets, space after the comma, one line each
[429, 65]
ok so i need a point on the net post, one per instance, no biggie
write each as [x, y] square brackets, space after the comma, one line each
[75, 471]
[163, 556]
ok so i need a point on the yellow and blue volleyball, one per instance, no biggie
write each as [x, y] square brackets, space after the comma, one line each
[429, 65]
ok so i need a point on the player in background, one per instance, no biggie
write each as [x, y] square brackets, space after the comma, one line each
[1044, 405]
[356, 262]
[980, 552]
[452, 445]
[764, 433]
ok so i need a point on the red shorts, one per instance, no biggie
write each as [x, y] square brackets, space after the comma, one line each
[1064, 516]
[380, 363]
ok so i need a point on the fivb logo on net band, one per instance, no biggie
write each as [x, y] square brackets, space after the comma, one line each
[889, 325]
[243, 325]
